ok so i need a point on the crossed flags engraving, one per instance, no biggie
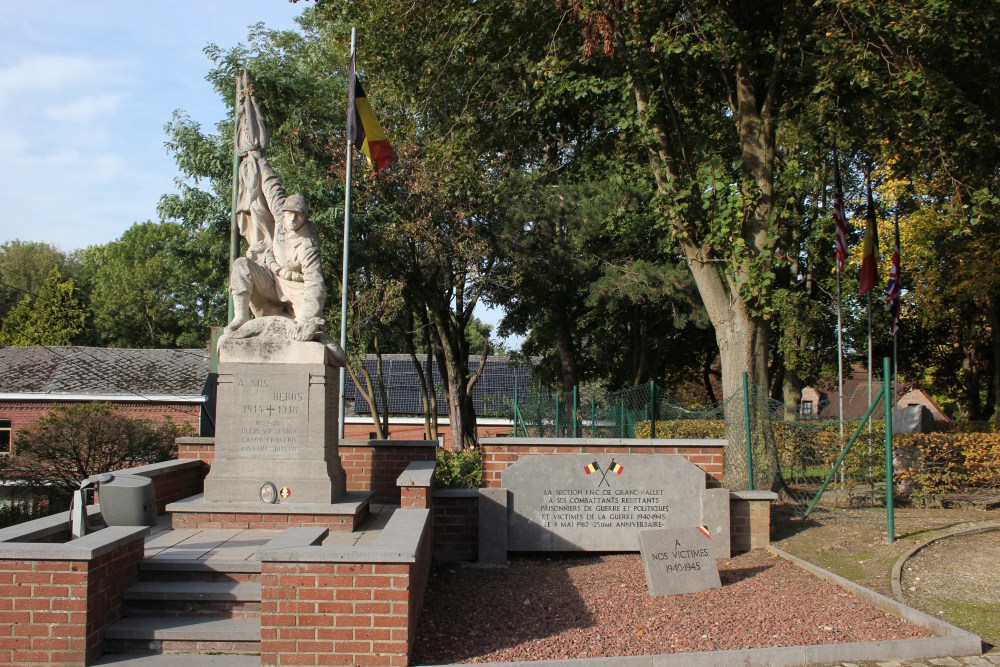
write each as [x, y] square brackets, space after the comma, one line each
[616, 468]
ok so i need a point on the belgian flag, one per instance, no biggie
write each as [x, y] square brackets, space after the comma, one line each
[591, 467]
[616, 468]
[362, 126]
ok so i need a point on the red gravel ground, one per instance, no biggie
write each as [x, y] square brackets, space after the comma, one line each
[585, 606]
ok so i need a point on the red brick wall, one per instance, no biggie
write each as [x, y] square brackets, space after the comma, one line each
[750, 524]
[498, 455]
[375, 465]
[370, 465]
[53, 612]
[456, 526]
[23, 414]
[347, 613]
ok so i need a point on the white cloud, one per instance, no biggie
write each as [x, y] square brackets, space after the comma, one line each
[85, 109]
[45, 73]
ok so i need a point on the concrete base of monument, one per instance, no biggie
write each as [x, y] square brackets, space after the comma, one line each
[344, 515]
[276, 422]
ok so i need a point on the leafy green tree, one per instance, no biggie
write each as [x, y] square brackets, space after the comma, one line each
[24, 266]
[148, 289]
[54, 317]
[74, 442]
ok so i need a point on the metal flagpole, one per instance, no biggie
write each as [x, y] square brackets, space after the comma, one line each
[347, 247]
[840, 361]
[895, 329]
[234, 236]
[840, 369]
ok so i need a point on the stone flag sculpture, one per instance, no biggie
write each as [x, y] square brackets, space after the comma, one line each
[280, 280]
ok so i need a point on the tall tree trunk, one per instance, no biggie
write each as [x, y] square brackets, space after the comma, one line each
[455, 357]
[791, 389]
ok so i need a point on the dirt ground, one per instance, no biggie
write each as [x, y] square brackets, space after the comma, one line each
[954, 579]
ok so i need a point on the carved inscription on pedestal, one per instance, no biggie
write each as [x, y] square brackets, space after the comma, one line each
[272, 415]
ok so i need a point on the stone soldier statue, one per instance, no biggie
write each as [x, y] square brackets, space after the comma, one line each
[286, 278]
[280, 280]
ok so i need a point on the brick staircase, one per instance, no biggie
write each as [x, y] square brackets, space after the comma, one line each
[190, 607]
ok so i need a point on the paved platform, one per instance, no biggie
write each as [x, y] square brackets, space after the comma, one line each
[233, 545]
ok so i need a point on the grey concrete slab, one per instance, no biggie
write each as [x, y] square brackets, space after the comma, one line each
[176, 660]
[194, 590]
[182, 628]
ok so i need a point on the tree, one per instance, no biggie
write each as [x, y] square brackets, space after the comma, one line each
[54, 317]
[149, 289]
[76, 441]
[24, 266]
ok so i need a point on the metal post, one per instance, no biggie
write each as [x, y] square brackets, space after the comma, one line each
[576, 433]
[347, 249]
[621, 429]
[593, 418]
[652, 409]
[746, 424]
[557, 416]
[889, 509]
[234, 234]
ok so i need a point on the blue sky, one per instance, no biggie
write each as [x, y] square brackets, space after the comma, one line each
[86, 87]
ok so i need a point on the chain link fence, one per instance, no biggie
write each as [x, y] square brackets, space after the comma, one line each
[799, 450]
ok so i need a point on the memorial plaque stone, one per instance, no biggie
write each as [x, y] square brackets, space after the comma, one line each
[678, 560]
[588, 503]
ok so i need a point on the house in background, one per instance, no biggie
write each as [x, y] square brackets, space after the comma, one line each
[824, 405]
[146, 384]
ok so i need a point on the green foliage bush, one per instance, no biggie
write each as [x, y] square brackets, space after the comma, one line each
[459, 470]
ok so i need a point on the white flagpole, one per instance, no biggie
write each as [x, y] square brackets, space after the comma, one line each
[347, 247]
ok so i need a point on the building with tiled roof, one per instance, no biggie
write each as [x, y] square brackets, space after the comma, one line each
[825, 405]
[150, 384]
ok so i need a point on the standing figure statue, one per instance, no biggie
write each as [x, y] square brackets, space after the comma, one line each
[280, 280]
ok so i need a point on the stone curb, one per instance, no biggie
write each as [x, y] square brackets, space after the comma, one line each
[897, 569]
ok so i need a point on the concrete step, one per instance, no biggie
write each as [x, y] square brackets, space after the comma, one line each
[179, 634]
[223, 599]
[175, 660]
[179, 569]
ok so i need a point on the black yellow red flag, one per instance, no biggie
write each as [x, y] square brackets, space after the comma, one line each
[363, 127]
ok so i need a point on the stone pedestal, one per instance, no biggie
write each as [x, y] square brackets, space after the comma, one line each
[276, 421]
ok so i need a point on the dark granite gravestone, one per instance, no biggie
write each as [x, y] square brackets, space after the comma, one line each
[678, 560]
[587, 503]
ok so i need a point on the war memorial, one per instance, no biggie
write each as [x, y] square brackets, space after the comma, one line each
[275, 544]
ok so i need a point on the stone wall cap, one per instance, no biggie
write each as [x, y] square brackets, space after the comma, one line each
[753, 495]
[84, 548]
[195, 440]
[606, 442]
[455, 493]
[161, 468]
[398, 543]
[388, 443]
[417, 473]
